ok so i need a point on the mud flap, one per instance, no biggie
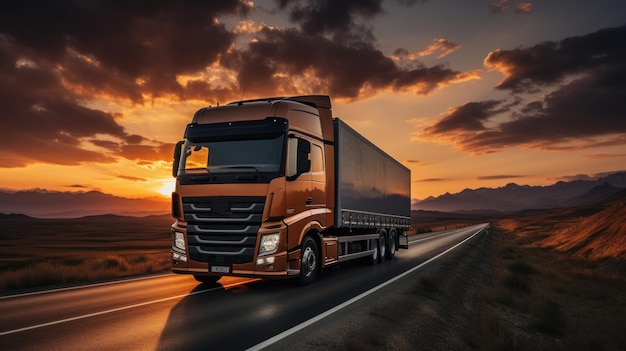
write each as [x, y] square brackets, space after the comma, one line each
[404, 241]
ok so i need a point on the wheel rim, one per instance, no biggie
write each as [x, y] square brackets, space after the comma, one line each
[309, 261]
[375, 254]
[392, 244]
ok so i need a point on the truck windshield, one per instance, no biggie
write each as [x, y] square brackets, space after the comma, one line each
[256, 155]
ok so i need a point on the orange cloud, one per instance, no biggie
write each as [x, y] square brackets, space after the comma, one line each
[445, 47]
[524, 7]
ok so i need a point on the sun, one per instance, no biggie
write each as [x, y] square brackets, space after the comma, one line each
[167, 188]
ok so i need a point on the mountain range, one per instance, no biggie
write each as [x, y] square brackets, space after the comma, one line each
[513, 197]
[54, 204]
[41, 203]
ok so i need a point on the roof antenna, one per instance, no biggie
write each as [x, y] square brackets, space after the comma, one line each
[242, 94]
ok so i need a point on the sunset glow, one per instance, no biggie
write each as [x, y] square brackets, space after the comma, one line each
[167, 188]
[465, 94]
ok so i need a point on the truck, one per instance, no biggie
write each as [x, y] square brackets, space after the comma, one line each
[279, 188]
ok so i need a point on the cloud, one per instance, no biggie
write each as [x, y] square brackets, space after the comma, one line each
[119, 47]
[414, 162]
[45, 122]
[584, 111]
[131, 178]
[524, 7]
[527, 69]
[336, 18]
[426, 180]
[283, 59]
[501, 6]
[57, 61]
[498, 6]
[499, 176]
[603, 156]
[444, 46]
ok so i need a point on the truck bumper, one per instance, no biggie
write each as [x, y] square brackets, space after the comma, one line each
[270, 266]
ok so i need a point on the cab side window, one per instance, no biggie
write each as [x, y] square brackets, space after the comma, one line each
[317, 160]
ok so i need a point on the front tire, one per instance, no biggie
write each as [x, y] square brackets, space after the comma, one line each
[309, 261]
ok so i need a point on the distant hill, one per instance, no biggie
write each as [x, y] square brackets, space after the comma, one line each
[53, 204]
[597, 237]
[513, 197]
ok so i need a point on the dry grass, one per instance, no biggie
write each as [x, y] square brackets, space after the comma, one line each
[544, 299]
[39, 252]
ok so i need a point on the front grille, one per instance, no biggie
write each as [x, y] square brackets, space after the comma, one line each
[223, 229]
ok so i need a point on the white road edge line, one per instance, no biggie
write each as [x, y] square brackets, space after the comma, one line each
[337, 308]
[120, 308]
[85, 286]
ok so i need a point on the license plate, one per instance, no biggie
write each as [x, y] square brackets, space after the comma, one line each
[220, 269]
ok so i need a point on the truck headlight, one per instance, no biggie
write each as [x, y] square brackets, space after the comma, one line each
[269, 243]
[179, 241]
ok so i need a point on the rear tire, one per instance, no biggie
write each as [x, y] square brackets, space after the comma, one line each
[309, 261]
[392, 244]
[207, 279]
[374, 258]
[382, 246]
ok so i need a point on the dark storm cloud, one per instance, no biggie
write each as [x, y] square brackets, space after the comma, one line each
[56, 60]
[335, 17]
[56, 55]
[527, 69]
[340, 70]
[42, 121]
[586, 111]
[468, 117]
[121, 47]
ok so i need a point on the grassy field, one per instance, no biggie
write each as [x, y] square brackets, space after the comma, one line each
[36, 252]
[541, 298]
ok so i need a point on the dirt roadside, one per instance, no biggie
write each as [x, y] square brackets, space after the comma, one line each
[494, 293]
[428, 310]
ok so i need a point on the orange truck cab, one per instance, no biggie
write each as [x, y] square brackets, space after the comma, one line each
[277, 188]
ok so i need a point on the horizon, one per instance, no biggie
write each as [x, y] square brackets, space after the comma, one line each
[166, 198]
[466, 95]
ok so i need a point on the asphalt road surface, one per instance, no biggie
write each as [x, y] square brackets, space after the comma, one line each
[174, 312]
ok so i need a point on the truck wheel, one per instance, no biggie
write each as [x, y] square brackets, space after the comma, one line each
[382, 246]
[373, 259]
[309, 261]
[207, 279]
[391, 244]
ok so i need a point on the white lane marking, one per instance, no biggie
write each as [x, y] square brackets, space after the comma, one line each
[337, 308]
[444, 233]
[85, 286]
[122, 308]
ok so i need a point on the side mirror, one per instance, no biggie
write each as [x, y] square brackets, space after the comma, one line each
[177, 152]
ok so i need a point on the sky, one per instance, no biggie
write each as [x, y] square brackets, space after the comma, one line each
[467, 94]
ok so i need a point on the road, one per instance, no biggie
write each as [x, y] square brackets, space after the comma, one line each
[174, 312]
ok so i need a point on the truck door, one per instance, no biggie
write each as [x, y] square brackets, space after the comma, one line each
[299, 189]
[318, 176]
